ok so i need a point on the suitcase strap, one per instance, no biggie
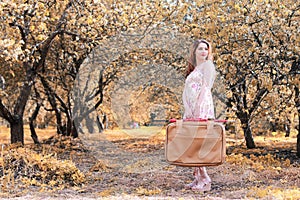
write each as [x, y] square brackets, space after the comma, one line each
[209, 124]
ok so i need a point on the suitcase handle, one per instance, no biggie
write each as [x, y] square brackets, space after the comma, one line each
[202, 120]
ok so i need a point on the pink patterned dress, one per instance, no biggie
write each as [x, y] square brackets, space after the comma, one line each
[197, 97]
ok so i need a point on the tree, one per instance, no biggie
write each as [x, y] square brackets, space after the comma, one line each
[31, 28]
[26, 31]
[255, 43]
[79, 24]
[67, 101]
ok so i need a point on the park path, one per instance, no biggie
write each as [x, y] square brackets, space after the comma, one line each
[130, 160]
[139, 168]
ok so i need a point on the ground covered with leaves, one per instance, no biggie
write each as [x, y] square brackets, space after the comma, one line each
[115, 165]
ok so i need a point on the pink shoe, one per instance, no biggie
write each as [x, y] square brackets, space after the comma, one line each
[202, 187]
[192, 184]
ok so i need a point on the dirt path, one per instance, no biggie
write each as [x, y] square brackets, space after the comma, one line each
[135, 159]
[135, 168]
[139, 170]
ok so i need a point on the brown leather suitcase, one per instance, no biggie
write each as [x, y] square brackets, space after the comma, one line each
[195, 143]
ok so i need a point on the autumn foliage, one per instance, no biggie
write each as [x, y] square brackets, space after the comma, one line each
[91, 66]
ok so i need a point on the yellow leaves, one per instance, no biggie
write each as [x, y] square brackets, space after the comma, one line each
[286, 193]
[41, 6]
[40, 170]
[43, 26]
[287, 163]
[266, 82]
[7, 180]
[52, 183]
[193, 25]
[148, 192]
[106, 193]
[1, 162]
[260, 193]
[273, 192]
[28, 181]
[237, 7]
[219, 62]
[32, 28]
[7, 43]
[196, 32]
[222, 18]
[274, 133]
[258, 163]
[253, 82]
[90, 20]
[238, 159]
[99, 166]
[41, 37]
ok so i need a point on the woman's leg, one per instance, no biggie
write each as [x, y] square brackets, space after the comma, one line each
[195, 181]
[203, 180]
[204, 175]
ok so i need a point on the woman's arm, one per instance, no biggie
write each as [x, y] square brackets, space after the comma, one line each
[209, 74]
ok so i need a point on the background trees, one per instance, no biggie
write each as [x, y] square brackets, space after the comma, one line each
[257, 50]
[26, 46]
[40, 37]
[44, 44]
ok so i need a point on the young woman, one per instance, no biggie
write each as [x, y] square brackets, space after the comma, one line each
[197, 98]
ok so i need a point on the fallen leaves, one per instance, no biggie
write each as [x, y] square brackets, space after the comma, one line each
[22, 165]
[147, 192]
[99, 166]
[277, 193]
[258, 163]
[245, 174]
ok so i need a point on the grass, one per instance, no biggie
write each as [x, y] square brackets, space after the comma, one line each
[41, 133]
[143, 131]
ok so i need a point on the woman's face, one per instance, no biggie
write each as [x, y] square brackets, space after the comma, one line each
[201, 52]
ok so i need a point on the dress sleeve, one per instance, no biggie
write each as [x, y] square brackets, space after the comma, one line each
[209, 74]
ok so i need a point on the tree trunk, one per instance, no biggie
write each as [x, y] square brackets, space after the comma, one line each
[60, 127]
[89, 124]
[297, 103]
[74, 130]
[287, 128]
[71, 128]
[31, 124]
[298, 142]
[17, 131]
[244, 118]
[99, 124]
[33, 134]
[248, 136]
[16, 124]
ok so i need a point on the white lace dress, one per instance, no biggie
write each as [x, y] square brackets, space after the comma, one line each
[197, 97]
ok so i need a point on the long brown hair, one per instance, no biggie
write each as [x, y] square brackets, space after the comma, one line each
[192, 59]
